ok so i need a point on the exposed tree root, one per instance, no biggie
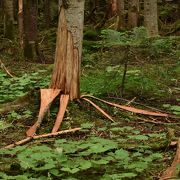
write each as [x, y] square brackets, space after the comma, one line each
[172, 172]
[28, 139]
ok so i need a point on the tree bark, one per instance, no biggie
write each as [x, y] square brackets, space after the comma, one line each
[47, 13]
[66, 73]
[151, 17]
[20, 21]
[133, 12]
[30, 29]
[120, 15]
[8, 19]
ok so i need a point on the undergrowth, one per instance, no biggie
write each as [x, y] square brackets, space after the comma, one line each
[75, 159]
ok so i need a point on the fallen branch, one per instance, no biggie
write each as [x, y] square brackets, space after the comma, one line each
[28, 139]
[99, 109]
[3, 67]
[172, 172]
[131, 109]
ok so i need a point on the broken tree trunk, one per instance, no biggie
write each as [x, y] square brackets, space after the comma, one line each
[66, 73]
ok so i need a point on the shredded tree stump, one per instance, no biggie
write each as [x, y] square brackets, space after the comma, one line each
[65, 79]
[172, 172]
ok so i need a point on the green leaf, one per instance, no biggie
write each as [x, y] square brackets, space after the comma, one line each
[138, 137]
[101, 161]
[121, 154]
[85, 165]
[87, 125]
[72, 171]
[175, 108]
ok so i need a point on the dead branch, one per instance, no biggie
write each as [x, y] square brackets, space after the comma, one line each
[99, 109]
[28, 139]
[128, 108]
[171, 171]
[3, 67]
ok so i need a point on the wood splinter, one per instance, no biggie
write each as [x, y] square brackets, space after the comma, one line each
[47, 96]
[172, 171]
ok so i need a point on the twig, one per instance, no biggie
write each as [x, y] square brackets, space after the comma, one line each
[26, 140]
[5, 69]
[171, 172]
[132, 100]
[153, 108]
[99, 109]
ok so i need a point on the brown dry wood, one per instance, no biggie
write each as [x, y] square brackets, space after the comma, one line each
[128, 108]
[26, 140]
[3, 67]
[67, 61]
[99, 109]
[63, 105]
[171, 172]
[47, 96]
[74, 92]
[59, 72]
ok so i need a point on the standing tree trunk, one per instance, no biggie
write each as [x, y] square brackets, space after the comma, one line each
[30, 29]
[8, 19]
[133, 13]
[66, 74]
[120, 15]
[151, 17]
[20, 21]
[47, 13]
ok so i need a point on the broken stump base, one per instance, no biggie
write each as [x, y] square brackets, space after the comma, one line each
[48, 96]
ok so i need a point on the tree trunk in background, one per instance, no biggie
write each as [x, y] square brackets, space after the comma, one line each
[151, 17]
[47, 13]
[8, 19]
[30, 28]
[66, 73]
[1, 11]
[20, 21]
[133, 13]
[120, 15]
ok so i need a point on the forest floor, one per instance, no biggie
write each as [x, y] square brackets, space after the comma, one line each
[133, 147]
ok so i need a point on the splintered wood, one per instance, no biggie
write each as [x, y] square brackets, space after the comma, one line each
[47, 97]
[63, 105]
[67, 64]
[172, 171]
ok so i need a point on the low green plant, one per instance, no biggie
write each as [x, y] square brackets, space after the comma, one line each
[159, 46]
[86, 158]
[11, 88]
[174, 108]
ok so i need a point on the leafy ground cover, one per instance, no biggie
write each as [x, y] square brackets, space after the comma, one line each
[134, 147]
